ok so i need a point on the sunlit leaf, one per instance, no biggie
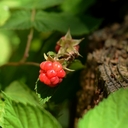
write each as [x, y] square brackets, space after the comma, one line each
[11, 3]
[19, 20]
[110, 113]
[4, 15]
[20, 93]
[5, 48]
[17, 115]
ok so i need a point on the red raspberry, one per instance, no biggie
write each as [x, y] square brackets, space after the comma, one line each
[54, 80]
[46, 65]
[60, 80]
[57, 66]
[61, 73]
[51, 73]
[41, 71]
[43, 78]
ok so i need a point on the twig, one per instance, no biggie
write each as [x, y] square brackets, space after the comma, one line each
[20, 63]
[26, 53]
[30, 36]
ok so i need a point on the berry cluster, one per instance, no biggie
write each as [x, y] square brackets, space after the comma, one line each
[51, 73]
[67, 49]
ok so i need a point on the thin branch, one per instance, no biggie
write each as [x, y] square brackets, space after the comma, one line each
[30, 36]
[26, 53]
[20, 63]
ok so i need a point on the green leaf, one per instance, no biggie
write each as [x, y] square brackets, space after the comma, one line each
[51, 53]
[78, 6]
[59, 21]
[4, 15]
[67, 89]
[18, 20]
[5, 48]
[110, 113]
[31, 4]
[17, 115]
[40, 4]
[11, 3]
[91, 22]
[20, 93]
[46, 22]
[44, 92]
[2, 112]
[76, 65]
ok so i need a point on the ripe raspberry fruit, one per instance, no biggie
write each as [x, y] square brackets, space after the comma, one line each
[43, 78]
[54, 80]
[51, 73]
[46, 65]
[61, 73]
[57, 66]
